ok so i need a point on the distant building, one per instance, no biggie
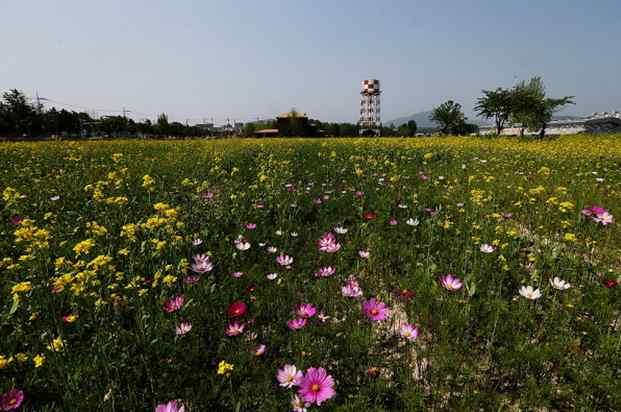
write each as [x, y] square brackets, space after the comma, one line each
[596, 123]
[294, 124]
[266, 133]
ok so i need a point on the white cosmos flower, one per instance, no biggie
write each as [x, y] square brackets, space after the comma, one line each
[272, 276]
[340, 230]
[559, 284]
[242, 246]
[487, 248]
[272, 249]
[412, 222]
[529, 293]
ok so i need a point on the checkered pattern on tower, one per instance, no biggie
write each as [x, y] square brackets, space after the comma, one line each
[370, 87]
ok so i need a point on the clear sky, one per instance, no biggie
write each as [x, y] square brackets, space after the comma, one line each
[246, 59]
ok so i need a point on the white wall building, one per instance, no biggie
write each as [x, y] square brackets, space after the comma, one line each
[596, 123]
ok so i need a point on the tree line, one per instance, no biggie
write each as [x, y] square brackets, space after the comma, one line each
[526, 105]
[18, 117]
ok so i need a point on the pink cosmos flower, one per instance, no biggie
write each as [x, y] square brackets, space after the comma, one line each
[251, 226]
[202, 264]
[237, 274]
[297, 324]
[359, 194]
[234, 329]
[604, 219]
[191, 279]
[328, 243]
[11, 400]
[305, 310]
[183, 328]
[316, 386]
[364, 254]
[284, 260]
[289, 376]
[298, 405]
[174, 304]
[325, 272]
[393, 222]
[450, 282]
[323, 318]
[375, 310]
[170, 406]
[352, 288]
[259, 350]
[408, 331]
[598, 214]
[207, 195]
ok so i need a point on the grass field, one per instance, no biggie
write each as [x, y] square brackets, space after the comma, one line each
[134, 273]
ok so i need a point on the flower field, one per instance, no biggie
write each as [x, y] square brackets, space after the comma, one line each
[309, 274]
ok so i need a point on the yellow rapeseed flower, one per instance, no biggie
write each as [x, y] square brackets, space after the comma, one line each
[39, 360]
[225, 368]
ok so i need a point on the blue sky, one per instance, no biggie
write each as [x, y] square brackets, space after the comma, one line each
[249, 59]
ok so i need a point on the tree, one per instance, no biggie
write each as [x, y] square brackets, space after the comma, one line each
[408, 129]
[18, 114]
[450, 117]
[532, 108]
[496, 104]
[162, 126]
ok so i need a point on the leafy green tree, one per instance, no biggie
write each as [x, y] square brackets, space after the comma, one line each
[496, 104]
[532, 108]
[450, 116]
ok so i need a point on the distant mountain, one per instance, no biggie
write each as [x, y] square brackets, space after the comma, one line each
[423, 122]
[421, 119]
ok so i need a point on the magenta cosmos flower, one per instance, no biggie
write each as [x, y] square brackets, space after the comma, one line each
[174, 304]
[598, 214]
[375, 310]
[11, 400]
[325, 272]
[202, 264]
[297, 324]
[316, 386]
[328, 243]
[305, 310]
[450, 282]
[289, 376]
[170, 406]
[237, 309]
